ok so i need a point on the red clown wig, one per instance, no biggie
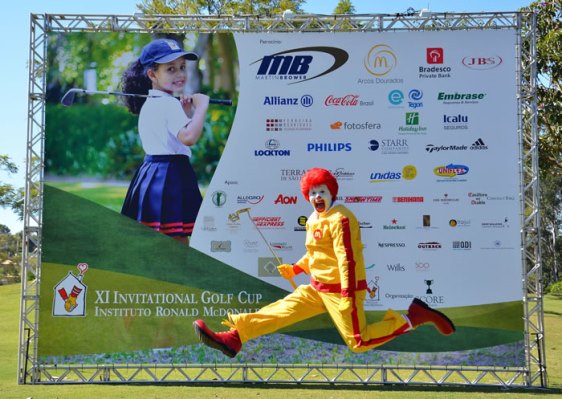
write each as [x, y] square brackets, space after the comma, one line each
[316, 177]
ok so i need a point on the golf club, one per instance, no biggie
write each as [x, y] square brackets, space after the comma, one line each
[68, 99]
[234, 217]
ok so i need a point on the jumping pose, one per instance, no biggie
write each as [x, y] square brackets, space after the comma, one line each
[164, 194]
[334, 261]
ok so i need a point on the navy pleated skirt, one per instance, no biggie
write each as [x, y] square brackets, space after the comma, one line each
[164, 195]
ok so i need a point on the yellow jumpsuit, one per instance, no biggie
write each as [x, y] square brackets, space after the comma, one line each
[334, 260]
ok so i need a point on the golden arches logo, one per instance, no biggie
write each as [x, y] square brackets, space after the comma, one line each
[380, 60]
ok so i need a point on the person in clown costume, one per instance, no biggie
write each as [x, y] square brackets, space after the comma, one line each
[334, 261]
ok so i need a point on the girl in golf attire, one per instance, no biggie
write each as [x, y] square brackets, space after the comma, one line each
[164, 194]
[334, 261]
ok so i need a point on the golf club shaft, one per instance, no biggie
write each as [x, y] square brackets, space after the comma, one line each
[68, 98]
[269, 246]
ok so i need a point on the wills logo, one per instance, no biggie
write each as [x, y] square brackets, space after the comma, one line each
[70, 294]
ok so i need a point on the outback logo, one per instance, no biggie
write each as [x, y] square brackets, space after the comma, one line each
[482, 63]
[429, 245]
[305, 100]
[250, 199]
[451, 170]
[415, 96]
[380, 60]
[328, 147]
[293, 66]
[69, 298]
[272, 150]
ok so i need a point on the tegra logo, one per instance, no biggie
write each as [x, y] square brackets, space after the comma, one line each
[294, 64]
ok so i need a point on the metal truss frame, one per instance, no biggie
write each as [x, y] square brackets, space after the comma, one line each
[532, 375]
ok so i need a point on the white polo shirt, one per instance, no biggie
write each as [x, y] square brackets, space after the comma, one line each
[160, 120]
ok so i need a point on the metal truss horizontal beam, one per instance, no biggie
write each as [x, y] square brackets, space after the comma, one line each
[297, 23]
[300, 374]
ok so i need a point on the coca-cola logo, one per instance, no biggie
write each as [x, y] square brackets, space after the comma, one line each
[349, 100]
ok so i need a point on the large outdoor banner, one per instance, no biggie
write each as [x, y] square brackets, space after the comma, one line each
[420, 129]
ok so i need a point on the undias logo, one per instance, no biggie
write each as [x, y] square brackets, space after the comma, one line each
[294, 64]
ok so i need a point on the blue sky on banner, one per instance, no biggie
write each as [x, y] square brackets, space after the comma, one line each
[15, 45]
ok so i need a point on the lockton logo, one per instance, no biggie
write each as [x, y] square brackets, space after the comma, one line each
[293, 66]
[482, 63]
[69, 298]
[380, 60]
[272, 150]
[434, 55]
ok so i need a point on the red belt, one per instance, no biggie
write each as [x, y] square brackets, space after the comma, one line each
[336, 288]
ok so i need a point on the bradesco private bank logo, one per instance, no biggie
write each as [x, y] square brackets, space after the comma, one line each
[300, 64]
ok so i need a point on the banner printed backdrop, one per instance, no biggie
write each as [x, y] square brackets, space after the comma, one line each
[432, 176]
[384, 121]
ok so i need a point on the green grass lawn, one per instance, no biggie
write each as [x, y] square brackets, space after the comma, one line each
[9, 389]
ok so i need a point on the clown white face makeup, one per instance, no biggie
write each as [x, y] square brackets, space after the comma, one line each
[320, 198]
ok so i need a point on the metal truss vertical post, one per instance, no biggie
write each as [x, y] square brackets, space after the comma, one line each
[530, 233]
[31, 256]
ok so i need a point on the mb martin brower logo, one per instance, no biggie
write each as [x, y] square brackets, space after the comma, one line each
[70, 294]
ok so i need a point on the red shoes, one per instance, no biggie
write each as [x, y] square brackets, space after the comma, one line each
[420, 313]
[227, 342]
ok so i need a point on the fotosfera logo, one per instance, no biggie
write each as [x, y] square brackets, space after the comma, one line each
[294, 65]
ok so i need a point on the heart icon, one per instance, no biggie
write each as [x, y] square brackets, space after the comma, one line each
[83, 267]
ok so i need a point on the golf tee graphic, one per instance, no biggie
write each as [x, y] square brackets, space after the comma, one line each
[70, 294]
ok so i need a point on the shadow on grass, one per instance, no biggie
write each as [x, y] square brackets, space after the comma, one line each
[369, 387]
